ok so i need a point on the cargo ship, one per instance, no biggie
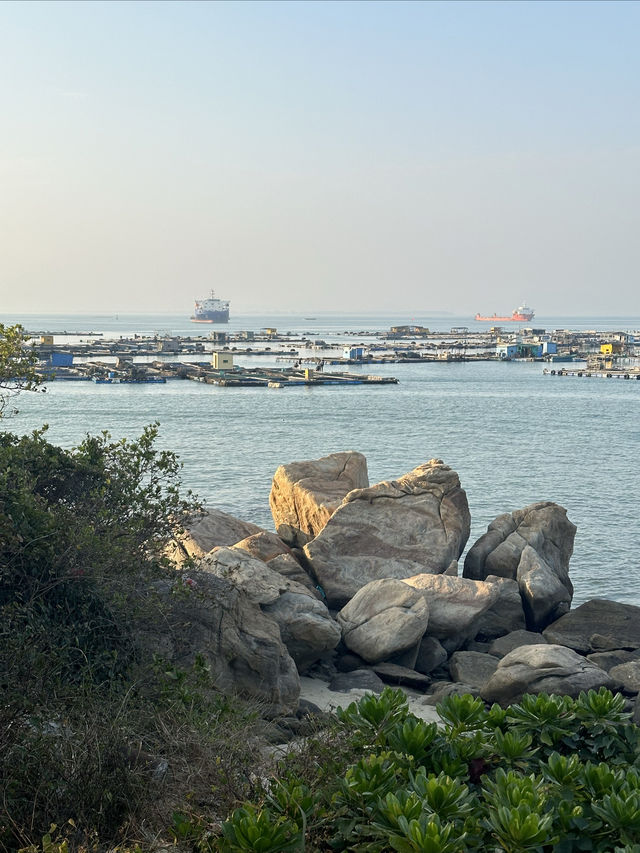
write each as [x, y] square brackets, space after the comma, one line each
[211, 310]
[522, 314]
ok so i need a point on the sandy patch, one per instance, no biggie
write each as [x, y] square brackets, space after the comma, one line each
[317, 691]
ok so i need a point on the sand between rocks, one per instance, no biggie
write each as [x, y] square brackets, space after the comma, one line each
[317, 691]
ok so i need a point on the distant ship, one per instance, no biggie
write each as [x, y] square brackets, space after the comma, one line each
[211, 310]
[522, 314]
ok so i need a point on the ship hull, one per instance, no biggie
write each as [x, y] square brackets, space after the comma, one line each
[514, 318]
[211, 317]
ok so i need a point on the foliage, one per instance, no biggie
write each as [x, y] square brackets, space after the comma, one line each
[91, 729]
[531, 777]
[17, 364]
[80, 535]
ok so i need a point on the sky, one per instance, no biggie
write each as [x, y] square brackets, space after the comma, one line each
[309, 156]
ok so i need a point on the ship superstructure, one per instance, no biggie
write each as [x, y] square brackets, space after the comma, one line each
[211, 310]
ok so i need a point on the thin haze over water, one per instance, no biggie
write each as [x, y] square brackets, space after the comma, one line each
[353, 156]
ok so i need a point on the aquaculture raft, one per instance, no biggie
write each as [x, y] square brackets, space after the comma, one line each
[600, 373]
[281, 377]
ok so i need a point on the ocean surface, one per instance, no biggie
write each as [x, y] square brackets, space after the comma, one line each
[513, 434]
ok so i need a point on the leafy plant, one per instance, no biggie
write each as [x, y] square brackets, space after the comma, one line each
[426, 835]
[462, 713]
[257, 830]
[518, 828]
[374, 716]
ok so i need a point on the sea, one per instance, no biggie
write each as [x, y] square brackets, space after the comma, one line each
[513, 434]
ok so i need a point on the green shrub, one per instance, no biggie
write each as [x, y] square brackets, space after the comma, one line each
[517, 780]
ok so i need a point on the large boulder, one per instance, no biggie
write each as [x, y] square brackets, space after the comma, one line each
[533, 546]
[472, 668]
[287, 565]
[269, 548]
[210, 617]
[385, 617]
[503, 645]
[544, 526]
[395, 529]
[505, 615]
[262, 545]
[545, 597]
[431, 655]
[543, 669]
[304, 495]
[627, 675]
[212, 529]
[455, 606]
[306, 627]
[597, 625]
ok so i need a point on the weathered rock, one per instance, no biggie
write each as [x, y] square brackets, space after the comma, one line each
[431, 655]
[497, 537]
[395, 529]
[544, 526]
[349, 662]
[407, 657]
[472, 668]
[263, 545]
[306, 626]
[628, 675]
[292, 536]
[261, 584]
[304, 495]
[211, 530]
[455, 605]
[544, 596]
[597, 625]
[475, 646]
[503, 645]
[607, 660]
[362, 679]
[383, 618]
[505, 615]
[442, 689]
[242, 646]
[289, 567]
[403, 676]
[543, 669]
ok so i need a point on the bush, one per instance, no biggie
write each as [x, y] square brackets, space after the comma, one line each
[550, 773]
[81, 532]
[87, 723]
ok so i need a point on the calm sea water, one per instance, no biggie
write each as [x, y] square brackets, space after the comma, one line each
[514, 435]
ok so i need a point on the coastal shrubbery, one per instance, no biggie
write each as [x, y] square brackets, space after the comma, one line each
[92, 730]
[550, 773]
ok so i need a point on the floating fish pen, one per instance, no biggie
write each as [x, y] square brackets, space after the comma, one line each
[115, 380]
[633, 373]
[261, 377]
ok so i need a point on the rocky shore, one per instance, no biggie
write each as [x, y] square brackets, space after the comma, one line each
[361, 586]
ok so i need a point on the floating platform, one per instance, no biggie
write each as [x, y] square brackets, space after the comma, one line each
[282, 378]
[597, 373]
[115, 380]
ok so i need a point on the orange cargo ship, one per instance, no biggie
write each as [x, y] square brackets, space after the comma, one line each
[522, 314]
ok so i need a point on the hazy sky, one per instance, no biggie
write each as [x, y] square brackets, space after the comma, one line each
[456, 156]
